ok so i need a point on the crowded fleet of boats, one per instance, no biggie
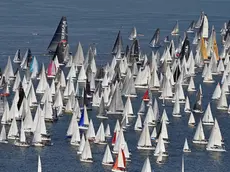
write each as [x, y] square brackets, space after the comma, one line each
[74, 84]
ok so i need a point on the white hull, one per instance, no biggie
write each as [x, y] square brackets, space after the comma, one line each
[220, 149]
[4, 141]
[141, 86]
[102, 117]
[202, 142]
[198, 111]
[107, 163]
[187, 111]
[114, 113]
[208, 123]
[208, 81]
[130, 95]
[38, 144]
[21, 144]
[145, 148]
[177, 115]
[74, 143]
[186, 150]
[222, 108]
[191, 90]
[86, 160]
[163, 154]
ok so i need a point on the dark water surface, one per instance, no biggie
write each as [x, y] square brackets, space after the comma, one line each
[98, 22]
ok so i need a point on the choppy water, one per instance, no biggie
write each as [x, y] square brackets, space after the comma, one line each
[98, 22]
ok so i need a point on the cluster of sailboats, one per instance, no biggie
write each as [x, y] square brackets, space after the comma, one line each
[74, 84]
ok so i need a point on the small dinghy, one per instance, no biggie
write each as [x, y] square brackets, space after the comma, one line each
[186, 147]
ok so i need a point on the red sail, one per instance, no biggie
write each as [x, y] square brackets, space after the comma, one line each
[146, 96]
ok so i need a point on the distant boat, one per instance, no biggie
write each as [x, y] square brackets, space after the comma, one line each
[117, 47]
[133, 34]
[175, 30]
[107, 159]
[147, 166]
[60, 35]
[186, 147]
[199, 137]
[17, 57]
[215, 142]
[120, 163]
[191, 27]
[155, 41]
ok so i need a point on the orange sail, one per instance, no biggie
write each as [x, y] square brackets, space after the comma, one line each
[203, 50]
[215, 49]
[120, 163]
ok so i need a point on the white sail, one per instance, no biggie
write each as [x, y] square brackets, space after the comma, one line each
[138, 124]
[147, 166]
[208, 118]
[145, 140]
[107, 158]
[199, 136]
[215, 140]
[191, 120]
[100, 136]
[186, 147]
[3, 138]
[86, 155]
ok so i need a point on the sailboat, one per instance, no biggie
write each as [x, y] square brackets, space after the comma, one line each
[133, 34]
[86, 155]
[17, 57]
[208, 118]
[60, 35]
[147, 166]
[199, 137]
[107, 158]
[175, 30]
[138, 124]
[187, 108]
[155, 41]
[120, 163]
[191, 120]
[197, 108]
[22, 140]
[186, 147]
[3, 138]
[191, 27]
[100, 136]
[215, 142]
[145, 140]
[160, 158]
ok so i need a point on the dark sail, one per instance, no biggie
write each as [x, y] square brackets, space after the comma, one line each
[198, 105]
[60, 52]
[176, 74]
[118, 43]
[21, 96]
[134, 51]
[185, 49]
[60, 35]
[155, 41]
[191, 27]
[29, 57]
[228, 31]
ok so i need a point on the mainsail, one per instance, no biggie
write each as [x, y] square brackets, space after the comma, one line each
[60, 35]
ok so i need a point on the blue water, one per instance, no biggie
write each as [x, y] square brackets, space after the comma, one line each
[98, 22]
